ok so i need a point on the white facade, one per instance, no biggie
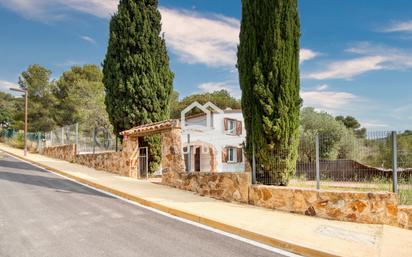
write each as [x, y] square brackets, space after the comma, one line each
[217, 147]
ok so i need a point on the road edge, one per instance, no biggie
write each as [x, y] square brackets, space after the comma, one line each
[274, 242]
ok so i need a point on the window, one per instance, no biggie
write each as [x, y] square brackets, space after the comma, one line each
[231, 154]
[230, 126]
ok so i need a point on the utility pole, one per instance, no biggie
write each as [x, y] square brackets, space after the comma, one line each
[26, 101]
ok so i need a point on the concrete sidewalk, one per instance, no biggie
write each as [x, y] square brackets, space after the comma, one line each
[296, 233]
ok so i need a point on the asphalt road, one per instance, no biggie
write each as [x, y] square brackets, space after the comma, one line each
[42, 215]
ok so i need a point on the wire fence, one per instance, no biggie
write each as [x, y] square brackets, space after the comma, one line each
[348, 162]
[88, 140]
[15, 138]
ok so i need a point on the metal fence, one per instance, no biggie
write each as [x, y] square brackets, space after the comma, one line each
[378, 161]
[15, 138]
[88, 140]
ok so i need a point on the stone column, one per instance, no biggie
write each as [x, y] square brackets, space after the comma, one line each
[172, 156]
[130, 156]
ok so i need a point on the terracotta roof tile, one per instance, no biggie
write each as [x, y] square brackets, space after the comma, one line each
[152, 127]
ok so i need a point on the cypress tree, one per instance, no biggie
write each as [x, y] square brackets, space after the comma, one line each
[268, 64]
[137, 78]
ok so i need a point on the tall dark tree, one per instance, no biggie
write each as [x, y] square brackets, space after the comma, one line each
[268, 63]
[137, 77]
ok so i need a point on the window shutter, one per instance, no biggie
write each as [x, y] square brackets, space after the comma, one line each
[238, 128]
[239, 155]
[225, 121]
[224, 155]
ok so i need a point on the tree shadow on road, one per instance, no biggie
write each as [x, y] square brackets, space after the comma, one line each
[16, 171]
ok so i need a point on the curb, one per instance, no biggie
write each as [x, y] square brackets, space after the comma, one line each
[274, 242]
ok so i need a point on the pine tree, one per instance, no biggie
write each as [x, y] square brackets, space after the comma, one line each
[137, 78]
[268, 64]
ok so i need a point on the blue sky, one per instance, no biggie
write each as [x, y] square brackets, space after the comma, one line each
[356, 56]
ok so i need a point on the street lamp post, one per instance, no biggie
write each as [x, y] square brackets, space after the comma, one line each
[25, 115]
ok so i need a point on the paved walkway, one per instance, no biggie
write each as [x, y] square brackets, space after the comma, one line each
[301, 234]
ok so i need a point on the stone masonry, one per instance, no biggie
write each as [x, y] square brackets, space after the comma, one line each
[64, 152]
[227, 186]
[405, 216]
[362, 207]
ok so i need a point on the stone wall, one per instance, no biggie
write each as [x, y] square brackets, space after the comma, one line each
[111, 162]
[222, 186]
[64, 152]
[362, 207]
[405, 216]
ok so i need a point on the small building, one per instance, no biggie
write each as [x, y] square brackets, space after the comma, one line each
[213, 139]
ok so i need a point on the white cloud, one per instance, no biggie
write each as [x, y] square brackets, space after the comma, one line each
[374, 124]
[232, 88]
[56, 9]
[394, 58]
[199, 39]
[307, 54]
[322, 87]
[405, 26]
[209, 39]
[348, 69]
[88, 39]
[6, 85]
[372, 57]
[329, 101]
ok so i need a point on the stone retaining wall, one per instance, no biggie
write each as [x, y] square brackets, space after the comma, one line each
[361, 207]
[405, 216]
[223, 186]
[111, 162]
[64, 152]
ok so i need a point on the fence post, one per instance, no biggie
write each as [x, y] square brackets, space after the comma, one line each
[253, 164]
[94, 140]
[51, 138]
[147, 163]
[394, 163]
[317, 162]
[76, 138]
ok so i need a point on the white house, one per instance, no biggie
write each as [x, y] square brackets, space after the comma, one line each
[215, 137]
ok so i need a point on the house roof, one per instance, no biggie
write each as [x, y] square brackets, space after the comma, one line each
[197, 115]
[151, 128]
